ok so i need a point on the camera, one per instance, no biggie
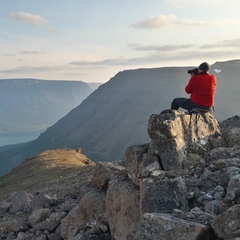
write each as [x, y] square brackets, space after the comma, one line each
[193, 71]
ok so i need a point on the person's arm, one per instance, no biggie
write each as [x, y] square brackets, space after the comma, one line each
[188, 88]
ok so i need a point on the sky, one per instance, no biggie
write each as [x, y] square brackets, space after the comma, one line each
[92, 40]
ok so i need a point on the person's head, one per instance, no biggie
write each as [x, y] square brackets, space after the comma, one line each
[204, 67]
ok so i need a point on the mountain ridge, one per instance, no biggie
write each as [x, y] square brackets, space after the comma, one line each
[29, 106]
[113, 117]
[21, 97]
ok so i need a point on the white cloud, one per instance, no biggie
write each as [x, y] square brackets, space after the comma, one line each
[7, 55]
[31, 52]
[232, 43]
[155, 22]
[170, 20]
[156, 54]
[164, 48]
[203, 3]
[192, 23]
[110, 61]
[31, 19]
[30, 69]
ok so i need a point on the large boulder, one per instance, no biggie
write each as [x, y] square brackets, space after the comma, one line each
[230, 129]
[163, 195]
[68, 224]
[38, 215]
[105, 172]
[156, 226]
[139, 163]
[123, 210]
[227, 225]
[173, 133]
[233, 189]
[50, 223]
[20, 201]
[92, 209]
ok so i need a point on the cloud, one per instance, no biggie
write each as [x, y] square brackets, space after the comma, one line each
[152, 55]
[8, 55]
[160, 47]
[171, 20]
[188, 22]
[31, 19]
[161, 54]
[195, 4]
[233, 43]
[30, 69]
[228, 43]
[155, 22]
[111, 61]
[31, 52]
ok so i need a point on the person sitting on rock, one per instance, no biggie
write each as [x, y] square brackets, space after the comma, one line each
[201, 86]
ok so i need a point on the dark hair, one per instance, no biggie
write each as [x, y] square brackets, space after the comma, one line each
[204, 66]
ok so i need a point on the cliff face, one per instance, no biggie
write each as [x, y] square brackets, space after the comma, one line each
[184, 184]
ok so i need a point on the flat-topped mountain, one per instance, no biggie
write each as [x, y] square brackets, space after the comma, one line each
[115, 115]
[29, 106]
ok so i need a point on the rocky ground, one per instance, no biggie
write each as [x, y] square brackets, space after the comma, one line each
[49, 179]
[184, 184]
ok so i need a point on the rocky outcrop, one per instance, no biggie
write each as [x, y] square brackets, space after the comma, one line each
[184, 184]
[166, 226]
[175, 134]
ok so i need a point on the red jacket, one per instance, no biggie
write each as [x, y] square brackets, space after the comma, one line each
[202, 88]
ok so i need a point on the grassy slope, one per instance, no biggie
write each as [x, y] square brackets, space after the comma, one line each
[46, 169]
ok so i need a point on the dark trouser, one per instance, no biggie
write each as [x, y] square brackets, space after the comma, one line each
[187, 104]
